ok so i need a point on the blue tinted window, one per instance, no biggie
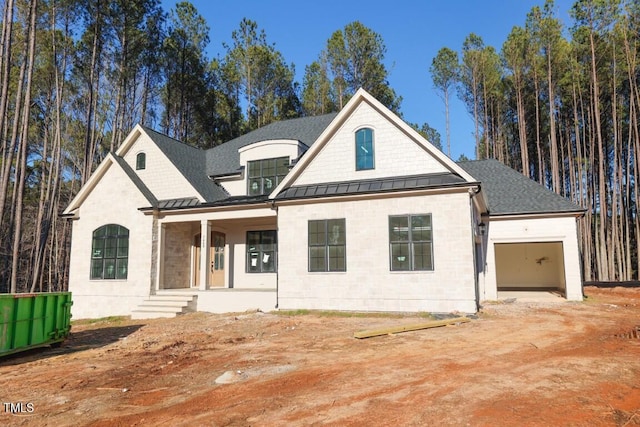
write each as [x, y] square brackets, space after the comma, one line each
[364, 149]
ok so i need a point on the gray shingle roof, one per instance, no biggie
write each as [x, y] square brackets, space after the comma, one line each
[365, 186]
[225, 159]
[510, 192]
[191, 162]
[507, 191]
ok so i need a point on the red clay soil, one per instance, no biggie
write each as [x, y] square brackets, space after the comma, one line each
[517, 364]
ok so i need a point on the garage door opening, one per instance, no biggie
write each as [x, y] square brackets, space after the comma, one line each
[531, 266]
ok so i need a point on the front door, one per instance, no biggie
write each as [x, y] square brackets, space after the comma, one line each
[216, 259]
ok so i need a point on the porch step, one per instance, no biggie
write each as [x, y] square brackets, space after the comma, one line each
[167, 304]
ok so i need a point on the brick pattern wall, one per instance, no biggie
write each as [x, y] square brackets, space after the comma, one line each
[178, 241]
[395, 153]
[114, 200]
[368, 283]
[160, 175]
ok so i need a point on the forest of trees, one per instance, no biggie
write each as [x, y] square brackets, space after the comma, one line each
[77, 75]
[559, 104]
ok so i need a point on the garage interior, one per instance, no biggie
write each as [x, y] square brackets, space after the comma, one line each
[530, 267]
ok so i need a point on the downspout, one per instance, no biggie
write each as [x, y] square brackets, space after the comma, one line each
[473, 192]
[275, 208]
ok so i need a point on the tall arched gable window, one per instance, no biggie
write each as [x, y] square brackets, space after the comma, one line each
[110, 252]
[141, 161]
[364, 149]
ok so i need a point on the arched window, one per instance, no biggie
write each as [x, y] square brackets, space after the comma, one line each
[110, 252]
[364, 149]
[141, 161]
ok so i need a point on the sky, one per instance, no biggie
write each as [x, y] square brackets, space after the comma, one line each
[412, 30]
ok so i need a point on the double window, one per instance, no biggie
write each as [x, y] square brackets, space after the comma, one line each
[364, 149]
[110, 252]
[264, 175]
[262, 249]
[410, 242]
[327, 245]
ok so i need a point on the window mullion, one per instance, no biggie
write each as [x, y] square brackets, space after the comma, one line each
[410, 234]
[326, 245]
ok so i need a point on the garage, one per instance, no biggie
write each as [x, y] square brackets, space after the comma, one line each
[530, 266]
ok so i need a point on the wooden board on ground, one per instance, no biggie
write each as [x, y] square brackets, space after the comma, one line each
[406, 328]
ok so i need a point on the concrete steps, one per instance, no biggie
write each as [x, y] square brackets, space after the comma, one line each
[166, 304]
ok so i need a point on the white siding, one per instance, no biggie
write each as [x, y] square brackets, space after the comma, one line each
[368, 283]
[396, 153]
[235, 187]
[561, 229]
[159, 175]
[99, 298]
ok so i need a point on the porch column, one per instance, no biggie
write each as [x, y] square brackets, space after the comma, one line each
[160, 259]
[205, 254]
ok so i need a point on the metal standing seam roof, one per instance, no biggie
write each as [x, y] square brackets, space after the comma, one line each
[510, 192]
[366, 186]
[188, 202]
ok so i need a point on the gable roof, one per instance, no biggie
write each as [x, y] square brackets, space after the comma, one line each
[190, 162]
[97, 175]
[225, 159]
[137, 181]
[362, 96]
[509, 192]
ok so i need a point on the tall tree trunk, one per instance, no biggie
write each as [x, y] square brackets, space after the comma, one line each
[537, 107]
[24, 139]
[603, 274]
[522, 128]
[555, 175]
[89, 135]
[49, 193]
[5, 78]
[9, 153]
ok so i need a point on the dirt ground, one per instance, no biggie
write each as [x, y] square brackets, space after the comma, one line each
[515, 364]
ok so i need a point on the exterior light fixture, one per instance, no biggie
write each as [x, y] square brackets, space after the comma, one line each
[482, 227]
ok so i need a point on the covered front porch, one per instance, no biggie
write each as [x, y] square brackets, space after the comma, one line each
[225, 259]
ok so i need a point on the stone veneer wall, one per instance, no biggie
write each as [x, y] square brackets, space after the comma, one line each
[368, 284]
[178, 240]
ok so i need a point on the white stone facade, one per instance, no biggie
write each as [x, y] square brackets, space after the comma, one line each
[162, 244]
[159, 174]
[100, 298]
[396, 154]
[368, 283]
[534, 230]
[237, 186]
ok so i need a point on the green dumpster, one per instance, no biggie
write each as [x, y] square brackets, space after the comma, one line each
[33, 320]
